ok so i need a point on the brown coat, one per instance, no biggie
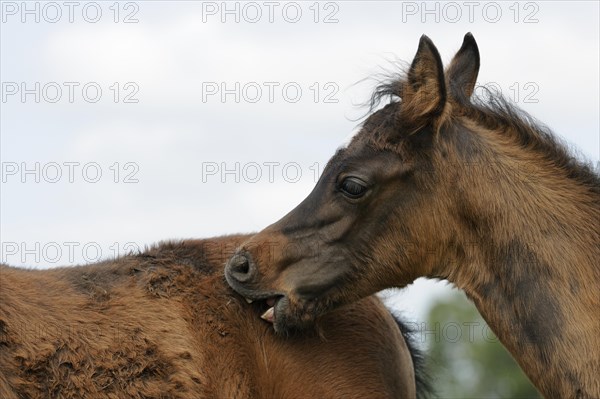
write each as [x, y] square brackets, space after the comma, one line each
[164, 324]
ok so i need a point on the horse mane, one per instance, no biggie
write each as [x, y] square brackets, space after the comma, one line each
[422, 378]
[496, 112]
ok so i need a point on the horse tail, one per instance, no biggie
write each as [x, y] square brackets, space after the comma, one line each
[422, 378]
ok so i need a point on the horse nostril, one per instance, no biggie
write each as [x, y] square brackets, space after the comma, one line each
[240, 267]
[240, 264]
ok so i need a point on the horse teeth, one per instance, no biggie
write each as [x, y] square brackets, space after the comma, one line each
[248, 300]
[269, 315]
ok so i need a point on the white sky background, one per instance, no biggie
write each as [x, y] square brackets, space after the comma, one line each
[545, 52]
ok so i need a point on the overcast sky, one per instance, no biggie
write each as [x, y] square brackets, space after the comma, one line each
[128, 118]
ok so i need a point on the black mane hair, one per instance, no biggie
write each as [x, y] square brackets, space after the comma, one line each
[422, 378]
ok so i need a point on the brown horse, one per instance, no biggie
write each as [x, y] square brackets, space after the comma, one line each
[165, 324]
[442, 184]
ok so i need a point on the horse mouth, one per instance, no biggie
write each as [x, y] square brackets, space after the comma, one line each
[286, 312]
[265, 307]
[282, 313]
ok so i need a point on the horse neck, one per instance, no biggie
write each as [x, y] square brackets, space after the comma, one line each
[528, 260]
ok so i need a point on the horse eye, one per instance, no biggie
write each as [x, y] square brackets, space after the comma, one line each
[353, 187]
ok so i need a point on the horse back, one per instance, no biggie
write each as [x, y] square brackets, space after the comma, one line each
[164, 324]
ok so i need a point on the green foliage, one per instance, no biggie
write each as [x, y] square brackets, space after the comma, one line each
[465, 358]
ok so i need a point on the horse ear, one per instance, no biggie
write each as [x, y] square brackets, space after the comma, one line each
[424, 95]
[462, 71]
